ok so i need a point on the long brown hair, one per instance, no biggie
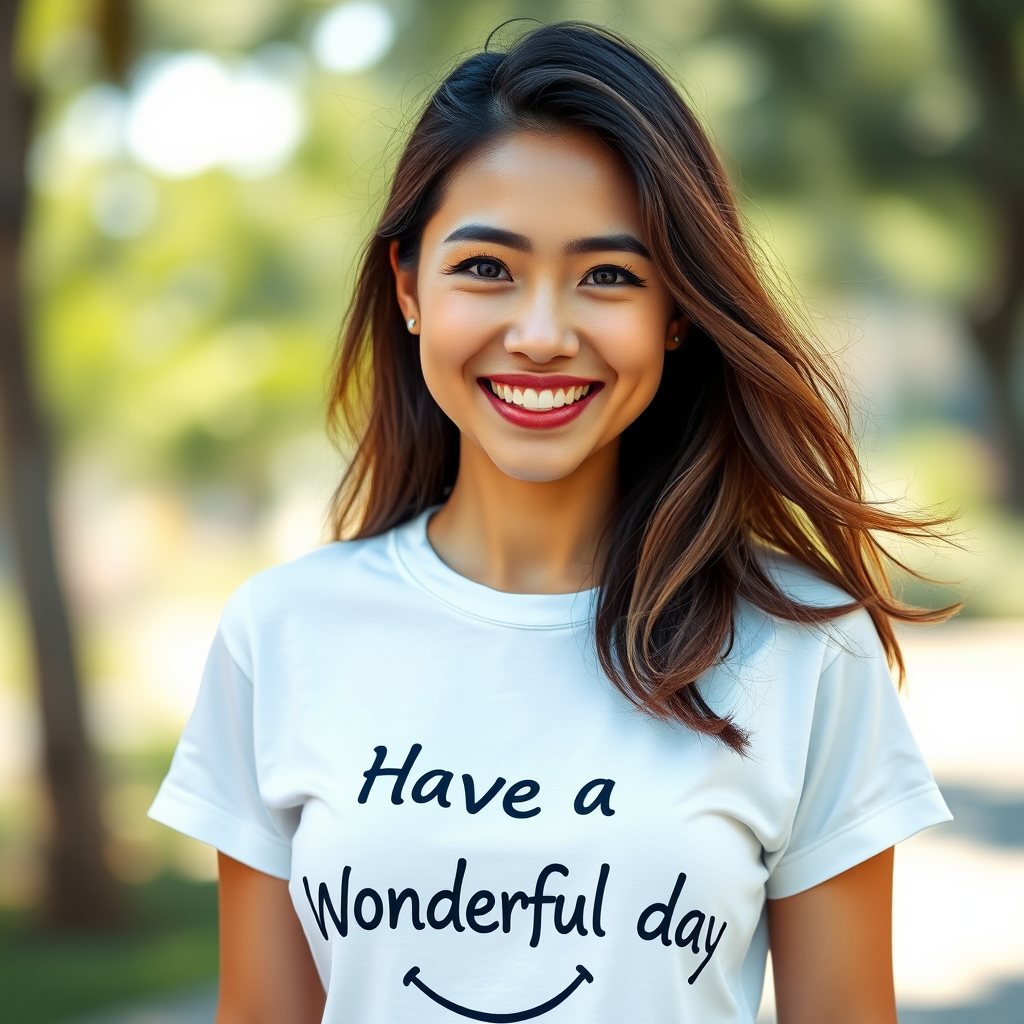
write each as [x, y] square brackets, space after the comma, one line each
[746, 444]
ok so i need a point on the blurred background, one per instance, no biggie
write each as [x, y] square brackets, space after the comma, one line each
[184, 188]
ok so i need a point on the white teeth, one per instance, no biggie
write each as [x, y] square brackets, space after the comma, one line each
[540, 401]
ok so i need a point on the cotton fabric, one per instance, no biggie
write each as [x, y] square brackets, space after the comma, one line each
[475, 824]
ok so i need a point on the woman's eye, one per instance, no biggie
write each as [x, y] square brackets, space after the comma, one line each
[606, 277]
[488, 270]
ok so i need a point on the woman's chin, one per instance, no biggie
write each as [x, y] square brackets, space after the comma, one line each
[535, 470]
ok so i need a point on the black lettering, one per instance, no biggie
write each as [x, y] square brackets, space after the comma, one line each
[602, 882]
[472, 804]
[401, 774]
[507, 905]
[690, 938]
[378, 909]
[709, 948]
[453, 896]
[602, 800]
[576, 921]
[395, 901]
[438, 793]
[539, 898]
[324, 899]
[518, 794]
[480, 903]
[666, 910]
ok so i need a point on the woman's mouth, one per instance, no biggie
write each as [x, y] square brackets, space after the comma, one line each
[539, 401]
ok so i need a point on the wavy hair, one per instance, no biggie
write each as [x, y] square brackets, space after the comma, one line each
[746, 443]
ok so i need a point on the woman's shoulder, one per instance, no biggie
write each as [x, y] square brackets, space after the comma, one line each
[777, 669]
[850, 629]
[300, 587]
[799, 582]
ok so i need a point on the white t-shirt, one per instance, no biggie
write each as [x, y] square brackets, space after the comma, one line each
[475, 824]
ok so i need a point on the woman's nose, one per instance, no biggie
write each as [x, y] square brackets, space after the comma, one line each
[541, 332]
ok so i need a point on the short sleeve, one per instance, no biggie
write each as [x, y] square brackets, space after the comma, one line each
[866, 786]
[212, 790]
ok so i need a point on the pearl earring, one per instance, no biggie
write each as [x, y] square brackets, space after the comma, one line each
[411, 322]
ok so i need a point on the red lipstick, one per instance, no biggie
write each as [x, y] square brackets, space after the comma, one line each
[539, 418]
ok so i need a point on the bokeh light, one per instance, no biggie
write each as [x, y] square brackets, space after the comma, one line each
[353, 36]
[192, 111]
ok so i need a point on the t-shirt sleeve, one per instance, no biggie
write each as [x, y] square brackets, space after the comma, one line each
[212, 789]
[866, 786]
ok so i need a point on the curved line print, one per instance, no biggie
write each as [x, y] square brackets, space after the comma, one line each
[500, 1018]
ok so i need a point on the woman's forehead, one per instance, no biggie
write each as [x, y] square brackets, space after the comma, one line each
[565, 183]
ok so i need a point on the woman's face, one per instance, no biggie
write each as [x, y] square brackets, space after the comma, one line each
[542, 321]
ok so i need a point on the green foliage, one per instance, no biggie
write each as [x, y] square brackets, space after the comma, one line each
[187, 347]
[46, 978]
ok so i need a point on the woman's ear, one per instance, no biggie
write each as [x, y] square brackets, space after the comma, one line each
[405, 291]
[677, 329]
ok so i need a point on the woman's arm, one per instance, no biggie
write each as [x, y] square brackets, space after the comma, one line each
[267, 974]
[832, 949]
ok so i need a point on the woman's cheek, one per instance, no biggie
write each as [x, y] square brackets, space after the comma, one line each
[440, 372]
[459, 325]
[634, 351]
[450, 338]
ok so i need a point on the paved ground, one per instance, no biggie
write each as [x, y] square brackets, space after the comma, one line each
[193, 1007]
[1006, 1006]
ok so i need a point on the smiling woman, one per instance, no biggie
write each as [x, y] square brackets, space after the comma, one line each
[571, 288]
[604, 535]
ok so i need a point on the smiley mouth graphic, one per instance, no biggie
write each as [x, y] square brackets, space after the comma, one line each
[412, 978]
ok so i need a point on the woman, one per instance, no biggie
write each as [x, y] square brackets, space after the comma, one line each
[596, 700]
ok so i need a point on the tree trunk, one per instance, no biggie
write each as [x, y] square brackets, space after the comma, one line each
[80, 891]
[996, 335]
[985, 30]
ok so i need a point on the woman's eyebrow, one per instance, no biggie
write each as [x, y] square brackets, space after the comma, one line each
[486, 233]
[623, 242]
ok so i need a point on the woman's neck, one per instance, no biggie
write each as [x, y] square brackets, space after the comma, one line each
[526, 537]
